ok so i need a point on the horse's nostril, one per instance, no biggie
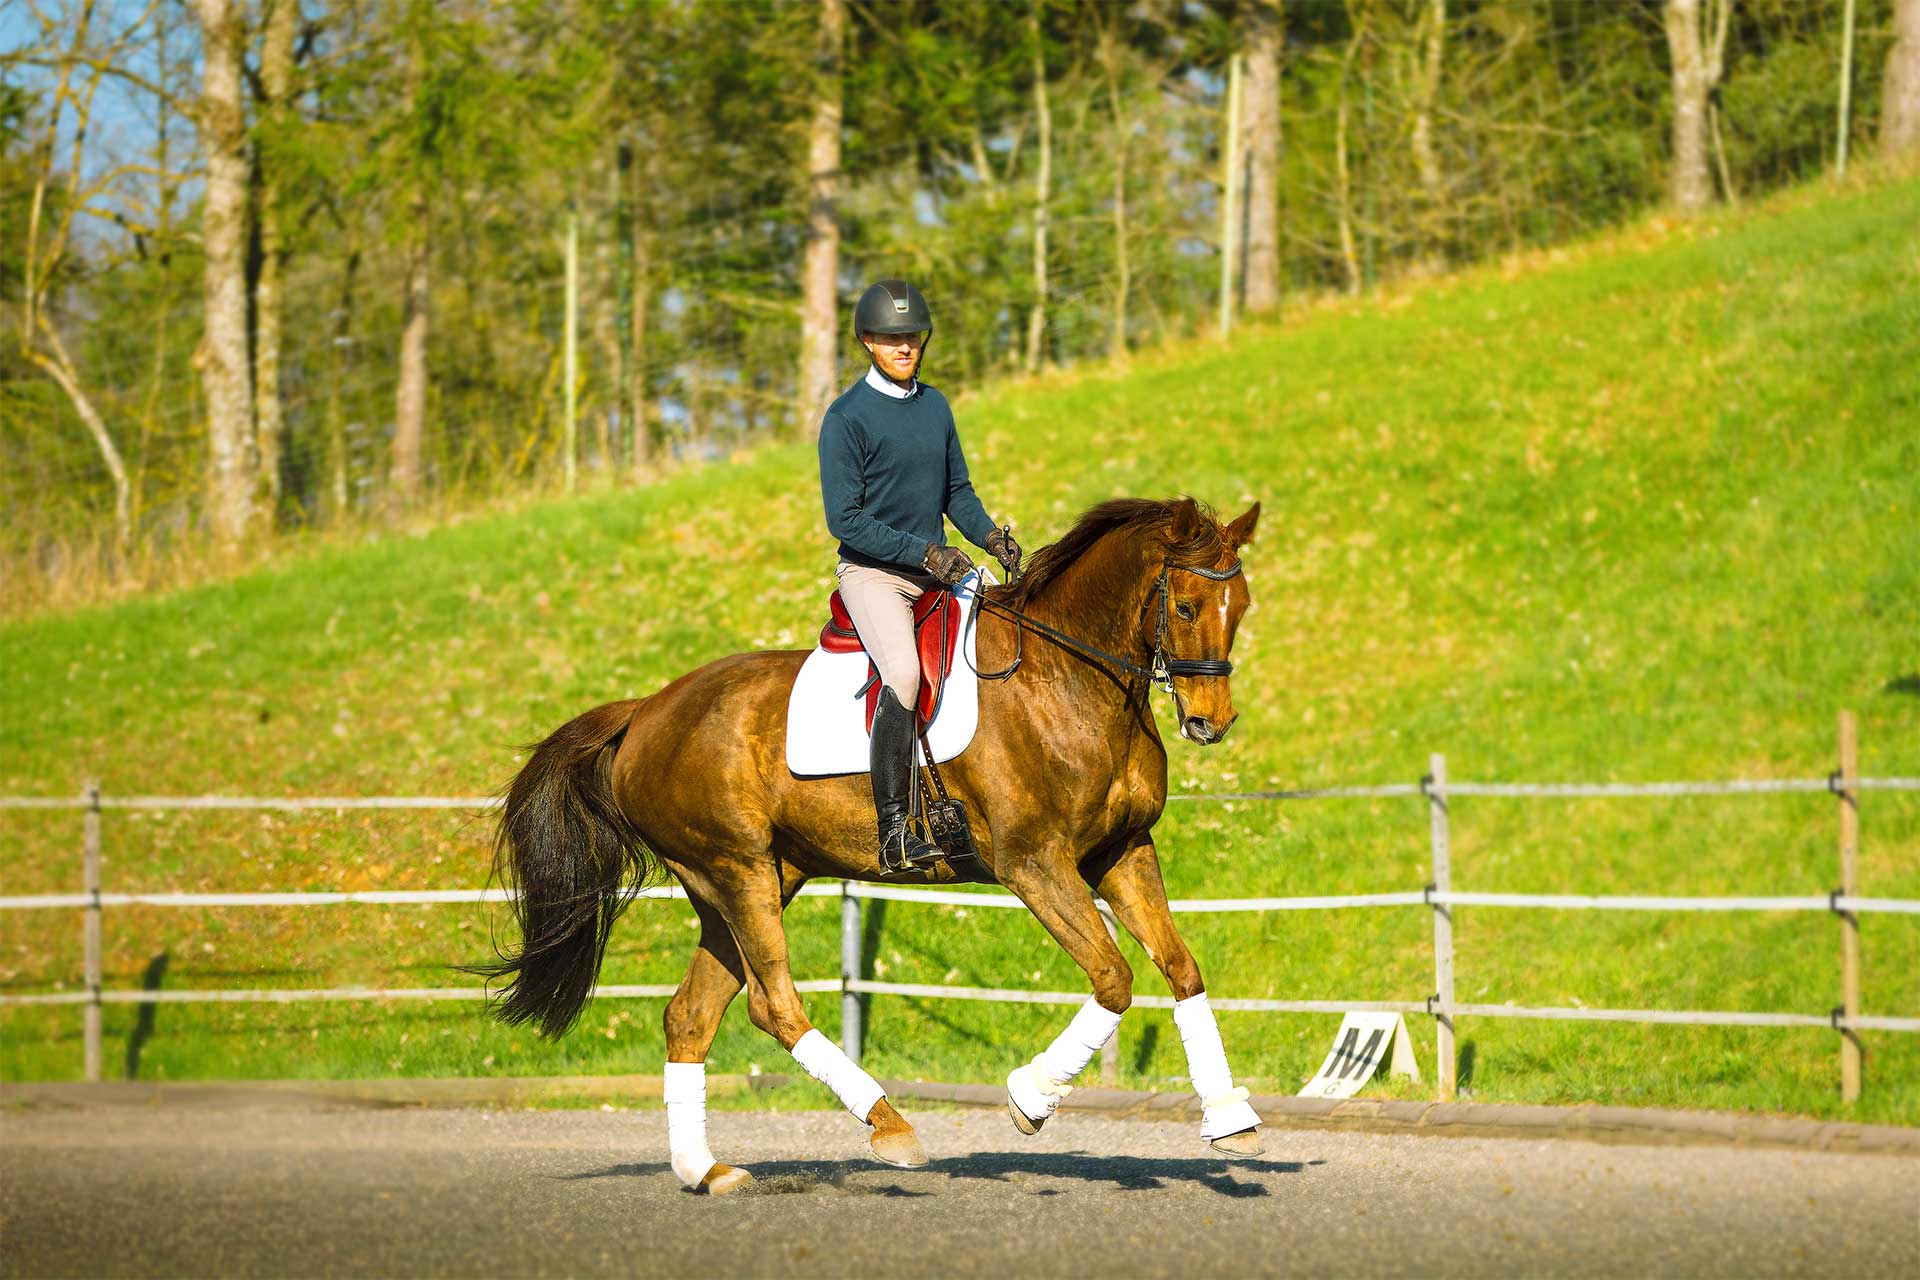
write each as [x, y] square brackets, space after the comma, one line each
[1200, 729]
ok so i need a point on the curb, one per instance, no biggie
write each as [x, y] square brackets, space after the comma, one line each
[1587, 1123]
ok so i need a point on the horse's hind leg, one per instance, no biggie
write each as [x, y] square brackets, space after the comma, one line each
[1132, 886]
[692, 1018]
[750, 901]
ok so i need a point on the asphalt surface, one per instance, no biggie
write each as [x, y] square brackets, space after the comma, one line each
[304, 1188]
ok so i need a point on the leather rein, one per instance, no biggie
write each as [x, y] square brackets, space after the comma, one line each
[1162, 670]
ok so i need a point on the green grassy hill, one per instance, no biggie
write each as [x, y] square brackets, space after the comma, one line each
[1642, 510]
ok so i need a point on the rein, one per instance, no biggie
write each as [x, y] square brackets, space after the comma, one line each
[1162, 670]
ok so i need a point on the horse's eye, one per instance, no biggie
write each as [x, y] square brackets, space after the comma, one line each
[1185, 611]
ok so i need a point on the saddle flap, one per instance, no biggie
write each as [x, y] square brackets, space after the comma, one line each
[936, 623]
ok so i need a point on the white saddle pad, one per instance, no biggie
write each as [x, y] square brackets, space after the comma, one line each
[827, 714]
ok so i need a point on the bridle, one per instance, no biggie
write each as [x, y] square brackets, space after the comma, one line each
[1162, 669]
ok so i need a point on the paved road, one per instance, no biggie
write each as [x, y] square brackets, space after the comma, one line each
[307, 1188]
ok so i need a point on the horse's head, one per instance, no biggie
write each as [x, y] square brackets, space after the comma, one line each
[1193, 612]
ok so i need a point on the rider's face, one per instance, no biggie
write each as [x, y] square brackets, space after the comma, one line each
[896, 354]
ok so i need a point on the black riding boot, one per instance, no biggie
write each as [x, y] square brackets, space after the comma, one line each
[892, 766]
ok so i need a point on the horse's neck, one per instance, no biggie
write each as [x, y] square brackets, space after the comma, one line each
[1102, 597]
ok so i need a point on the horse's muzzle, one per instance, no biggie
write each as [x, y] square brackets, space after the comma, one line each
[1202, 730]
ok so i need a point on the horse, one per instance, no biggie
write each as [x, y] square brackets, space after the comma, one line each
[1066, 772]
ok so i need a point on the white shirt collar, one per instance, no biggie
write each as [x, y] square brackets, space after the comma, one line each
[888, 387]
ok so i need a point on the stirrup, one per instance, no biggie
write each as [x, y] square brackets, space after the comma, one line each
[899, 856]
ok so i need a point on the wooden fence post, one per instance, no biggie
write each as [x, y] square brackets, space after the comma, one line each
[1110, 1051]
[1436, 788]
[91, 829]
[850, 1011]
[1849, 794]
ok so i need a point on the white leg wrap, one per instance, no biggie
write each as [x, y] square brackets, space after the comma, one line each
[1038, 1087]
[1226, 1109]
[826, 1062]
[685, 1087]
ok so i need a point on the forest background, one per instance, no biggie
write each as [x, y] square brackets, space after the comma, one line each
[274, 267]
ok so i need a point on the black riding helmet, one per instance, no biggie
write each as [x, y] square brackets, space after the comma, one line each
[893, 306]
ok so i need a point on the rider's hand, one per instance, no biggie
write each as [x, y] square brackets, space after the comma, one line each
[1001, 545]
[948, 564]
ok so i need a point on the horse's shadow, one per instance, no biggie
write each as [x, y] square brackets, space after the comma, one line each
[1127, 1173]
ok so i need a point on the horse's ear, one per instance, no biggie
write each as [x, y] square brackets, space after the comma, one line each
[1240, 532]
[1185, 522]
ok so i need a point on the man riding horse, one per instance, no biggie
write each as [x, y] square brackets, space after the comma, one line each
[890, 468]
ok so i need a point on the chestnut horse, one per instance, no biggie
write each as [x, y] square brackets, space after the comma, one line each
[1064, 780]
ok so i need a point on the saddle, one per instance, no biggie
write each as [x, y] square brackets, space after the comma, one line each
[936, 634]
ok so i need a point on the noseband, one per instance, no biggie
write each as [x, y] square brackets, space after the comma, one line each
[1163, 669]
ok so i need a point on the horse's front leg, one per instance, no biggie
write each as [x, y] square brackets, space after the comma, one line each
[1063, 906]
[1132, 886]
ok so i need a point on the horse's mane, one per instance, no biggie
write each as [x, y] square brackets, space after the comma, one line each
[1202, 546]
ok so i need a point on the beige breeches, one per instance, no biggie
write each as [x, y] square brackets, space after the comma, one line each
[881, 606]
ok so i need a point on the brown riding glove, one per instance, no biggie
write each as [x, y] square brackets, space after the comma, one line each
[1001, 545]
[947, 564]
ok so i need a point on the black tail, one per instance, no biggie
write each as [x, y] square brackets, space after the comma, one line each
[576, 860]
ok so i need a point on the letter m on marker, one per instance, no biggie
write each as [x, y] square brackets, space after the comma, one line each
[1357, 1064]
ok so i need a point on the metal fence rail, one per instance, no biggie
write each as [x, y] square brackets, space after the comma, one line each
[1439, 897]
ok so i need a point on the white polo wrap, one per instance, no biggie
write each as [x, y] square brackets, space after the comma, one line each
[1225, 1108]
[1038, 1087]
[825, 1062]
[684, 1085]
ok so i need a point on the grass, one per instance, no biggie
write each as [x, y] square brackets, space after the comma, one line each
[1642, 509]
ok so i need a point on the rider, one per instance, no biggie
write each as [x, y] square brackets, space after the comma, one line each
[890, 468]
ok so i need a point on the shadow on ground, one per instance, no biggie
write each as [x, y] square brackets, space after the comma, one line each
[1127, 1173]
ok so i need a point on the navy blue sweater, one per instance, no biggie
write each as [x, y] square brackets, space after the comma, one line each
[889, 469]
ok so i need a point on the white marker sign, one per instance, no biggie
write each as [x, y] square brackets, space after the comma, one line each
[1362, 1043]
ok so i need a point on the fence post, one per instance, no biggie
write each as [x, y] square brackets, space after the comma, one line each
[1436, 789]
[1110, 1051]
[91, 829]
[1849, 794]
[850, 1011]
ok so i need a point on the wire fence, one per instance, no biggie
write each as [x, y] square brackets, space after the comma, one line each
[1438, 896]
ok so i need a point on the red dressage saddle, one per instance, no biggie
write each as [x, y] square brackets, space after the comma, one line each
[936, 633]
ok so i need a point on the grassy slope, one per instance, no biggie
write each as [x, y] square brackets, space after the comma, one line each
[1647, 512]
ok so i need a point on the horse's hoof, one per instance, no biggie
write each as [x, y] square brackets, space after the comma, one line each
[1021, 1120]
[900, 1148]
[724, 1180]
[1242, 1145]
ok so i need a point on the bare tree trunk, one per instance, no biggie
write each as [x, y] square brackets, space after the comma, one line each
[1697, 63]
[59, 366]
[1037, 318]
[224, 365]
[410, 391]
[1427, 92]
[1900, 92]
[820, 307]
[276, 84]
[336, 419]
[1261, 140]
[1343, 172]
[1110, 53]
[637, 399]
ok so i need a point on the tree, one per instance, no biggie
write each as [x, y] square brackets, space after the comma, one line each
[1261, 142]
[1042, 179]
[1697, 45]
[820, 307]
[276, 92]
[224, 367]
[410, 389]
[1900, 95]
[58, 199]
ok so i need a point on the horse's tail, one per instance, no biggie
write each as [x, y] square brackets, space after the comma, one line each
[577, 862]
